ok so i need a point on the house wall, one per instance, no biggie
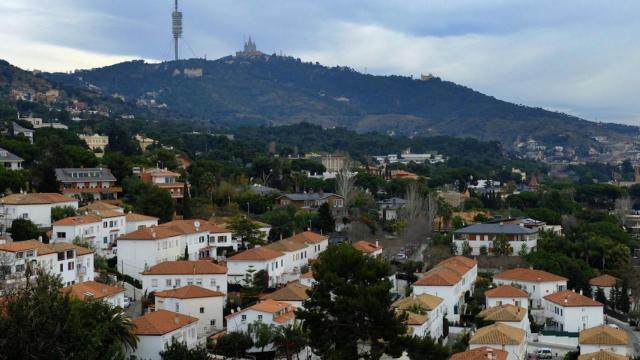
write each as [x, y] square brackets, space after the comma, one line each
[448, 293]
[618, 349]
[522, 302]
[477, 244]
[215, 282]
[536, 290]
[39, 214]
[135, 225]
[209, 320]
[574, 318]
[134, 255]
[149, 347]
[275, 268]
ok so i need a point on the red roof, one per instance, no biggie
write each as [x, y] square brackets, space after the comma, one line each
[78, 220]
[568, 298]
[506, 291]
[161, 322]
[308, 237]
[91, 289]
[259, 253]
[189, 292]
[483, 353]
[366, 247]
[604, 281]
[150, 233]
[185, 268]
[439, 277]
[529, 275]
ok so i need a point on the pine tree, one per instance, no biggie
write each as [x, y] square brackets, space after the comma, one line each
[601, 297]
[326, 221]
[623, 303]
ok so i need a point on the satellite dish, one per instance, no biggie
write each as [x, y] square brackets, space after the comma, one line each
[196, 223]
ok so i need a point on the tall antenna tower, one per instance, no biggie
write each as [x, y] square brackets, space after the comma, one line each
[176, 27]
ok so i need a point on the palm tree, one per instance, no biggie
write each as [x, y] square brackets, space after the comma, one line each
[289, 340]
[120, 329]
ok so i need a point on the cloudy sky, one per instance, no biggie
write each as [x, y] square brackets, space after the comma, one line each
[577, 56]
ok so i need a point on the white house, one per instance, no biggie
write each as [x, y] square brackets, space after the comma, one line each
[296, 255]
[506, 294]
[604, 282]
[482, 235]
[509, 315]
[99, 228]
[503, 337]
[425, 314]
[147, 247]
[221, 240]
[174, 274]
[196, 301]
[257, 258]
[452, 279]
[536, 283]
[222, 225]
[602, 355]
[33, 206]
[157, 330]
[318, 242]
[91, 290]
[607, 338]
[74, 264]
[10, 161]
[572, 312]
[367, 248]
[195, 236]
[138, 221]
[269, 312]
[293, 293]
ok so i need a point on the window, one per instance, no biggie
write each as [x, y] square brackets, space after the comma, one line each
[212, 282]
[177, 307]
[243, 318]
[71, 265]
[199, 282]
[19, 255]
[61, 235]
[105, 240]
[104, 224]
[212, 323]
[60, 256]
[154, 282]
[29, 253]
[201, 310]
[259, 317]
[20, 268]
[189, 281]
[177, 282]
[61, 267]
[168, 282]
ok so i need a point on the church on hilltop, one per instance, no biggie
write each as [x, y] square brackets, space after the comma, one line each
[249, 49]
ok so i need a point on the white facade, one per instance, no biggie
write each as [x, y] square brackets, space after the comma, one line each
[496, 301]
[624, 350]
[101, 233]
[149, 346]
[215, 282]
[136, 255]
[208, 310]
[275, 267]
[573, 318]
[135, 225]
[536, 290]
[39, 214]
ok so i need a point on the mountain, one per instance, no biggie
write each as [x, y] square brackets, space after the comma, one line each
[275, 90]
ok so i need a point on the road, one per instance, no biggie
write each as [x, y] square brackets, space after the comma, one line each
[135, 307]
[634, 336]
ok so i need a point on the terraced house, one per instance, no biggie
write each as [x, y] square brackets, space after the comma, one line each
[481, 237]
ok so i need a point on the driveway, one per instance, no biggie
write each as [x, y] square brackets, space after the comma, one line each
[634, 336]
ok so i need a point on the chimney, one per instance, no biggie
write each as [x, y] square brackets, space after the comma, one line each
[580, 291]
[377, 243]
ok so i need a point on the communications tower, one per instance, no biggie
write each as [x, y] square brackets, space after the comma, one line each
[176, 27]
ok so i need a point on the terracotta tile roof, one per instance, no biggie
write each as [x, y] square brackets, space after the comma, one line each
[498, 334]
[604, 335]
[77, 220]
[604, 281]
[281, 311]
[416, 319]
[286, 245]
[150, 233]
[506, 291]
[602, 355]
[139, 217]
[35, 198]
[189, 292]
[366, 247]
[161, 322]
[482, 353]
[294, 291]
[256, 253]
[187, 226]
[428, 302]
[465, 261]
[506, 312]
[287, 316]
[309, 237]
[91, 289]
[99, 205]
[44, 249]
[107, 213]
[438, 277]
[455, 267]
[529, 275]
[185, 268]
[568, 298]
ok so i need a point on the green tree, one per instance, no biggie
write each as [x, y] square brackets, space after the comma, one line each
[419, 348]
[246, 230]
[350, 305]
[233, 345]
[290, 340]
[179, 351]
[61, 212]
[501, 246]
[623, 301]
[23, 229]
[262, 333]
[326, 222]
[466, 248]
[13, 180]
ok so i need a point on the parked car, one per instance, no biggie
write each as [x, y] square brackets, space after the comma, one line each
[127, 302]
[544, 353]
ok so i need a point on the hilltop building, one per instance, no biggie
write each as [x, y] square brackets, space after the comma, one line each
[250, 49]
[99, 183]
[97, 143]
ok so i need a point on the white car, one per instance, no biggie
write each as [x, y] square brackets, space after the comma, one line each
[544, 353]
[126, 303]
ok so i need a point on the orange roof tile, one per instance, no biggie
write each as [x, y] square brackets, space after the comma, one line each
[150, 233]
[568, 298]
[482, 353]
[91, 289]
[187, 226]
[139, 217]
[294, 291]
[506, 291]
[44, 249]
[505, 312]
[256, 253]
[189, 292]
[602, 355]
[286, 245]
[185, 267]
[108, 213]
[161, 322]
[530, 275]
[604, 281]
[99, 205]
[465, 261]
[308, 237]
[35, 198]
[438, 277]
[77, 220]
[498, 334]
[366, 247]
[603, 335]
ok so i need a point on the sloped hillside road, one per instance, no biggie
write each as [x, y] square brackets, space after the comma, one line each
[634, 336]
